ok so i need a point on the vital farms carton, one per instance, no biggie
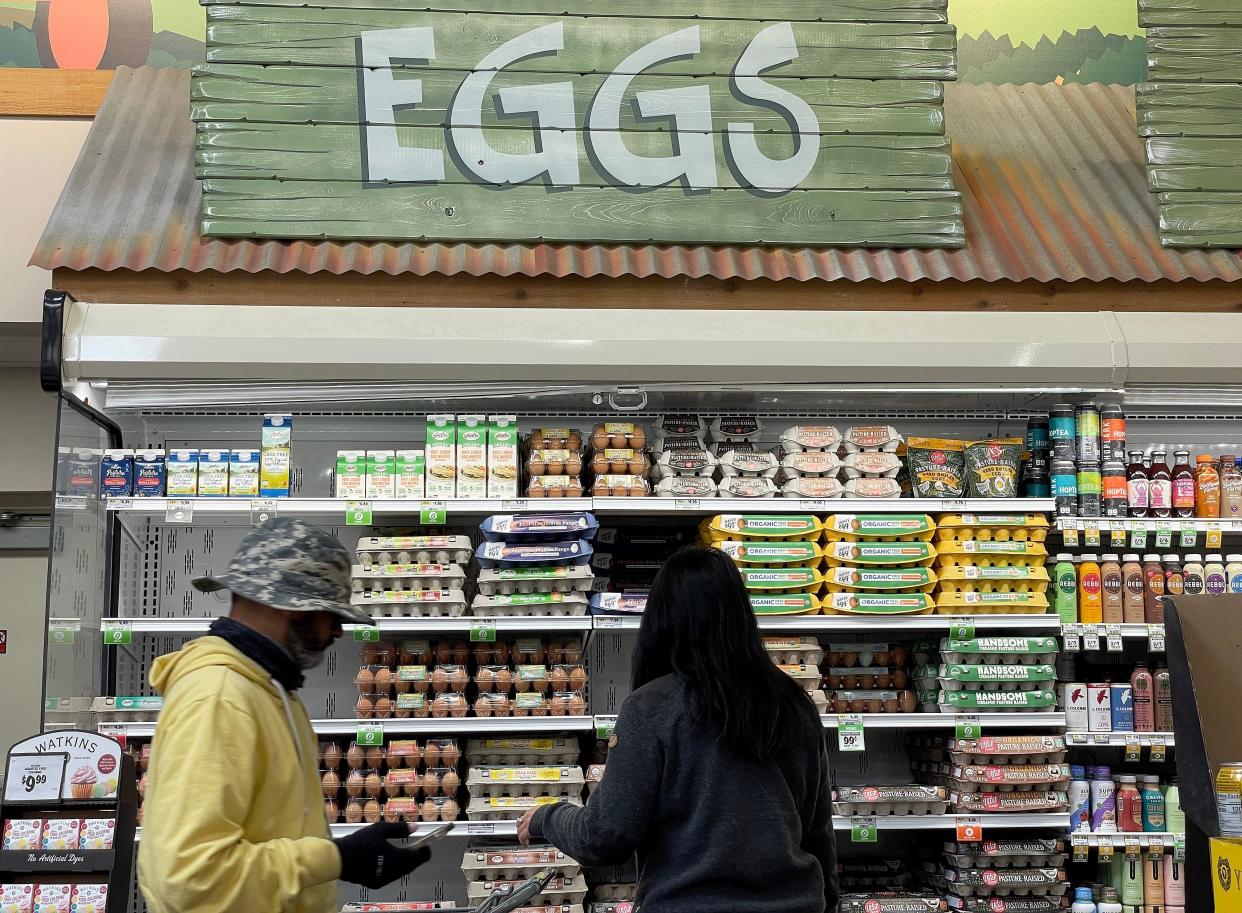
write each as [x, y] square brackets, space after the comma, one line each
[276, 456]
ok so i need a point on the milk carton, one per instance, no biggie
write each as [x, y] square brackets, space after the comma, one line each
[116, 474]
[472, 456]
[82, 471]
[411, 468]
[213, 473]
[350, 481]
[441, 454]
[149, 474]
[276, 456]
[381, 474]
[502, 456]
[181, 470]
[244, 474]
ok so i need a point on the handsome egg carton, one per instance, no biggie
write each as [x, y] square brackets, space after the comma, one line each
[556, 782]
[384, 550]
[560, 890]
[889, 800]
[993, 651]
[515, 863]
[530, 604]
[523, 751]
[577, 578]
[1009, 701]
[1017, 677]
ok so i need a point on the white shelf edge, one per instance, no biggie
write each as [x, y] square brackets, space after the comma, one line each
[469, 725]
[995, 720]
[812, 623]
[1128, 630]
[1077, 738]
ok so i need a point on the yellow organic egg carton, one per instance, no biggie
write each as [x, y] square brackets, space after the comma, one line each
[879, 527]
[991, 603]
[974, 553]
[992, 527]
[1011, 579]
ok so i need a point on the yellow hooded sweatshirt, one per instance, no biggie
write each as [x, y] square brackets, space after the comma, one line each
[233, 817]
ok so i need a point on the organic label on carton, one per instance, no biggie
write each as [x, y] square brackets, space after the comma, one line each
[213, 473]
[381, 474]
[472, 456]
[441, 456]
[276, 457]
[351, 474]
[502, 456]
[411, 468]
[244, 474]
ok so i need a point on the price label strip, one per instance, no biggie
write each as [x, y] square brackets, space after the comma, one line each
[62, 635]
[1105, 850]
[1179, 848]
[370, 734]
[483, 632]
[1090, 637]
[1112, 638]
[1134, 750]
[967, 728]
[864, 830]
[1071, 635]
[1138, 537]
[179, 510]
[962, 629]
[850, 736]
[1213, 536]
[1164, 535]
[1117, 533]
[1069, 535]
[366, 634]
[1132, 846]
[604, 726]
[1189, 537]
[1082, 849]
[1159, 748]
[117, 633]
[263, 509]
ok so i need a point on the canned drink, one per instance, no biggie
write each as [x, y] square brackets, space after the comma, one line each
[1099, 707]
[1121, 707]
[1065, 487]
[1037, 440]
[1090, 489]
[1112, 432]
[1229, 799]
[1061, 432]
[1114, 500]
[1087, 426]
[1074, 703]
[1037, 485]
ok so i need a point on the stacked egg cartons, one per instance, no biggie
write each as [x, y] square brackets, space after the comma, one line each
[509, 776]
[871, 874]
[871, 464]
[684, 466]
[809, 463]
[535, 564]
[985, 876]
[415, 678]
[996, 774]
[878, 564]
[747, 470]
[867, 678]
[992, 564]
[531, 676]
[612, 897]
[889, 800]
[404, 780]
[487, 868]
[990, 673]
[411, 576]
[777, 556]
[890, 902]
[799, 657]
[554, 463]
[619, 462]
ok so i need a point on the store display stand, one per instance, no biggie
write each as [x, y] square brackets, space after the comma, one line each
[45, 776]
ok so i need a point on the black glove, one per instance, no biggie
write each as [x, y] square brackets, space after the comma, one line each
[368, 859]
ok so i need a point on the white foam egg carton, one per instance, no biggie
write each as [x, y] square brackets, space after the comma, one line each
[557, 782]
[559, 890]
[508, 808]
[523, 751]
[381, 577]
[382, 550]
[412, 603]
[525, 605]
[890, 800]
[515, 863]
[576, 578]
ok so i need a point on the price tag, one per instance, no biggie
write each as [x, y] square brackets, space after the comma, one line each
[1112, 638]
[120, 504]
[850, 733]
[1159, 748]
[70, 502]
[1132, 846]
[1082, 849]
[1189, 536]
[1164, 534]
[967, 728]
[1069, 535]
[179, 510]
[962, 629]
[1091, 535]
[1117, 533]
[1155, 638]
[515, 506]
[1071, 635]
[262, 510]
[1105, 851]
[1076, 738]
[1100, 738]
[601, 622]
[370, 734]
[969, 829]
[116, 633]
[814, 505]
[604, 726]
[1179, 848]
[357, 513]
[1213, 535]
[61, 635]
[685, 504]
[366, 634]
[1138, 537]
[433, 513]
[1090, 637]
[34, 777]
[480, 828]
[863, 830]
[1134, 751]
[483, 632]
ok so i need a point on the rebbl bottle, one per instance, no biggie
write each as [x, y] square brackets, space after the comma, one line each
[1160, 485]
[1183, 485]
[1137, 485]
[1112, 604]
[1132, 579]
[1153, 589]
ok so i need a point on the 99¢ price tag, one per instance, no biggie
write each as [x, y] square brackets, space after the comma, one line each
[850, 733]
[864, 830]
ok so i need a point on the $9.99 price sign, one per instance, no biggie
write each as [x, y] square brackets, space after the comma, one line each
[34, 777]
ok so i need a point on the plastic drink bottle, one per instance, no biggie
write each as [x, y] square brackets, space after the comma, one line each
[1174, 818]
[1129, 804]
[1163, 686]
[1082, 901]
[1133, 581]
[1153, 804]
[1174, 882]
[1090, 596]
[1103, 801]
[1112, 600]
[1192, 576]
[1132, 879]
[1079, 800]
[1065, 583]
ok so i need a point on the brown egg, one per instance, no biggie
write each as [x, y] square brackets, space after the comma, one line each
[375, 756]
[383, 679]
[849, 659]
[400, 686]
[573, 465]
[880, 657]
[638, 489]
[353, 812]
[832, 658]
[371, 812]
[833, 680]
[459, 678]
[874, 705]
[392, 812]
[535, 440]
[385, 653]
[331, 811]
[600, 464]
[354, 783]
[554, 651]
[450, 754]
[574, 490]
[576, 705]
[365, 679]
[881, 679]
[573, 651]
[449, 810]
[331, 784]
[559, 679]
[573, 441]
[900, 678]
[536, 466]
[482, 706]
[383, 706]
[485, 678]
[461, 652]
[355, 756]
[443, 651]
[556, 467]
[558, 705]
[373, 784]
[450, 783]
[485, 654]
[636, 467]
[430, 811]
[858, 705]
[431, 783]
[890, 705]
[459, 707]
[907, 702]
[431, 754]
[370, 654]
[897, 654]
[503, 679]
[440, 707]
[407, 757]
[363, 708]
[331, 754]
[638, 438]
[554, 492]
[619, 441]
[577, 678]
[502, 652]
[599, 439]
[439, 679]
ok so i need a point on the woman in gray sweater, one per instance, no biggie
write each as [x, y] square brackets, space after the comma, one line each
[717, 773]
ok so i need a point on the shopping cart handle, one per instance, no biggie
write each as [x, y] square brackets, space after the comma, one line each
[507, 899]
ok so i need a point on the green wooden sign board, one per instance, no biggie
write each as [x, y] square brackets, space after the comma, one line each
[1190, 117]
[678, 121]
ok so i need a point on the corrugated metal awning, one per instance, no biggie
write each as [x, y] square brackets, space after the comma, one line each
[1052, 178]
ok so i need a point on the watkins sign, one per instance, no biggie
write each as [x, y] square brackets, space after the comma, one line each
[658, 120]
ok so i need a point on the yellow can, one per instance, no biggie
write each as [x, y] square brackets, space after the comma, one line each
[1229, 799]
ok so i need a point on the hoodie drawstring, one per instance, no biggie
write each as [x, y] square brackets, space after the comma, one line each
[297, 743]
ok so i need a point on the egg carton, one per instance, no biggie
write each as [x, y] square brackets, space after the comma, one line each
[686, 487]
[877, 604]
[781, 580]
[975, 579]
[991, 603]
[412, 603]
[392, 906]
[871, 465]
[1007, 777]
[1006, 882]
[993, 527]
[998, 749]
[690, 462]
[541, 527]
[559, 890]
[805, 674]
[782, 552]
[508, 808]
[798, 464]
[879, 527]
[1016, 861]
[388, 577]
[812, 487]
[872, 701]
[557, 782]
[577, 578]
[890, 902]
[989, 904]
[796, 649]
[879, 580]
[499, 555]
[542, 751]
[1018, 677]
[991, 554]
[867, 438]
[784, 604]
[1000, 650]
[747, 487]
[618, 603]
[594, 775]
[1016, 701]
[865, 654]
[432, 808]
[383, 550]
[889, 800]
[1010, 802]
[735, 428]
[760, 526]
[515, 863]
[1007, 852]
[865, 678]
[527, 605]
[798, 438]
[752, 464]
[863, 553]
[614, 892]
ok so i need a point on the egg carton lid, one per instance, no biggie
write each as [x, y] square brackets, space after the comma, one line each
[1040, 699]
[1015, 603]
[747, 487]
[773, 552]
[822, 488]
[871, 463]
[1008, 773]
[898, 579]
[1018, 645]
[498, 808]
[803, 673]
[481, 863]
[760, 526]
[618, 603]
[890, 902]
[1008, 846]
[993, 547]
[1028, 860]
[443, 906]
[407, 571]
[890, 793]
[410, 597]
[525, 604]
[811, 463]
[578, 578]
[766, 579]
[413, 543]
[533, 554]
[1002, 744]
[1019, 672]
[550, 749]
[987, 904]
[559, 889]
[1031, 877]
[566, 775]
[545, 527]
[1036, 572]
[851, 603]
[879, 554]
[1018, 801]
[784, 604]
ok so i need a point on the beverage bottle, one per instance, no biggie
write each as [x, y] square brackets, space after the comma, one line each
[1174, 582]
[1183, 485]
[1153, 877]
[1129, 805]
[1079, 800]
[1230, 487]
[1214, 576]
[1137, 485]
[1103, 801]
[1090, 597]
[1153, 589]
[1174, 881]
[1153, 804]
[1162, 684]
[1174, 818]
[1160, 486]
[1233, 574]
[1132, 879]
[1109, 902]
[1229, 799]
[1082, 901]
[1112, 598]
[1065, 580]
[1192, 576]
[1132, 581]
[1207, 487]
[1142, 690]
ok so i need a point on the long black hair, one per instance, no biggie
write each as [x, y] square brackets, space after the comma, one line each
[698, 623]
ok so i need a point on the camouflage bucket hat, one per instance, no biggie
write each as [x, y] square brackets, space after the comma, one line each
[289, 564]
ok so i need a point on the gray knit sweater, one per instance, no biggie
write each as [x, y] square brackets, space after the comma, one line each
[713, 832]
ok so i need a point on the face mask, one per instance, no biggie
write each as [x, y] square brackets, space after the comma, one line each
[305, 648]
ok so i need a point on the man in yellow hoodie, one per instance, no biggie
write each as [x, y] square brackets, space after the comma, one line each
[233, 813]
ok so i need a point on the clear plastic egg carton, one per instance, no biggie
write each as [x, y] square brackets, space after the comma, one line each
[384, 550]
[1010, 852]
[890, 800]
[1015, 701]
[412, 603]
[797, 649]
[993, 602]
[990, 554]
[992, 527]
[577, 578]
[530, 604]
[890, 902]
[991, 651]
[515, 863]
[1016, 677]
[542, 751]
[614, 892]
[559, 890]
[989, 904]
[865, 655]
[970, 578]
[865, 678]
[387, 577]
[1008, 803]
[508, 808]
[971, 778]
[557, 782]
[1006, 882]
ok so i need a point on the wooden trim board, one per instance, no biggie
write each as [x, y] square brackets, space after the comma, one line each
[48, 92]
